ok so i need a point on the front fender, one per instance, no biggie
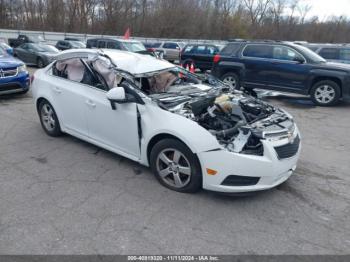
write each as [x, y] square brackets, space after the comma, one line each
[156, 121]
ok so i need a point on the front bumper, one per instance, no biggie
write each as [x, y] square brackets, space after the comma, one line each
[270, 170]
[15, 84]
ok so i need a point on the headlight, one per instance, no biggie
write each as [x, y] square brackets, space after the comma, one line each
[22, 68]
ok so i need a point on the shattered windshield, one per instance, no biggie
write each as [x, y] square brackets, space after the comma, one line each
[177, 80]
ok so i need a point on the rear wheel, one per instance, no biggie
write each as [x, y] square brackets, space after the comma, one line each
[232, 80]
[48, 119]
[175, 166]
[325, 93]
[40, 63]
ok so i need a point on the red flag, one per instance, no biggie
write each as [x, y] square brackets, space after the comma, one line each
[127, 34]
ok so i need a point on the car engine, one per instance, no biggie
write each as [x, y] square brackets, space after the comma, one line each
[239, 122]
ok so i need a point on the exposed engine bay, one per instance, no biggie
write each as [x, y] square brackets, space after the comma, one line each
[238, 121]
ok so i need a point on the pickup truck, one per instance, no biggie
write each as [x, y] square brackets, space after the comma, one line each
[284, 67]
[22, 39]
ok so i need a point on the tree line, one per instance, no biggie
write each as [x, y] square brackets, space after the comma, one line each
[187, 19]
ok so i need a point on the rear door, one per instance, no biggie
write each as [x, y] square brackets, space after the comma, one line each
[258, 66]
[70, 98]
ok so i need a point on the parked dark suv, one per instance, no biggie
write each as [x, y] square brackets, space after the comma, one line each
[201, 55]
[285, 67]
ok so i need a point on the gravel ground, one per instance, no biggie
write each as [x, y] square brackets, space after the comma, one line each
[64, 196]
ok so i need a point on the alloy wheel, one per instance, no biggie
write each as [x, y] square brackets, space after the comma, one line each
[324, 94]
[173, 168]
[231, 81]
[47, 116]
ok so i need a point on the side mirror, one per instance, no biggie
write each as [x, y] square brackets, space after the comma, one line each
[118, 95]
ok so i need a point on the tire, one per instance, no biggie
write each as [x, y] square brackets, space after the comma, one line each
[325, 93]
[48, 119]
[182, 174]
[231, 79]
[40, 63]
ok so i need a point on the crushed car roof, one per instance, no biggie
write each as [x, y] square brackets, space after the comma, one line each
[131, 62]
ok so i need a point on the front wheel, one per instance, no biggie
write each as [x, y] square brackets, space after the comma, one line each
[232, 80]
[175, 166]
[325, 93]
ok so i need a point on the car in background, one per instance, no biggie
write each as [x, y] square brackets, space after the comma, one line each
[69, 44]
[152, 47]
[7, 48]
[200, 55]
[39, 55]
[14, 77]
[193, 132]
[339, 53]
[22, 39]
[172, 50]
[284, 67]
[119, 44]
[133, 46]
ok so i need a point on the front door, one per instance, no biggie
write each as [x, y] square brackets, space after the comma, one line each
[288, 73]
[117, 129]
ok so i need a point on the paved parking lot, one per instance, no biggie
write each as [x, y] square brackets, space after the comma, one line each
[64, 196]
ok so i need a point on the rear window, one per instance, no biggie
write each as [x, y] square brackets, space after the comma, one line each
[230, 49]
[258, 51]
[188, 49]
[330, 53]
[170, 45]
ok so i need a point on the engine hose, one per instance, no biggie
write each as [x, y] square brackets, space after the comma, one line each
[229, 131]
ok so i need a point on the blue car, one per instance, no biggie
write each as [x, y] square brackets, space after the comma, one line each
[14, 77]
[7, 48]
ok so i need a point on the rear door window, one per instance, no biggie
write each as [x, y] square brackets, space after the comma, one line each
[101, 44]
[258, 51]
[189, 49]
[330, 53]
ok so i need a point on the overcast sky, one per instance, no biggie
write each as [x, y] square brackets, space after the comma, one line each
[327, 8]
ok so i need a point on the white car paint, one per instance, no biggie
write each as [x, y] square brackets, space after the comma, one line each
[85, 112]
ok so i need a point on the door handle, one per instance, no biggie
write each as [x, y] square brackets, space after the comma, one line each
[90, 103]
[57, 90]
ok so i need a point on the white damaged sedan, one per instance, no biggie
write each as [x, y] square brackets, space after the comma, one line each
[193, 131]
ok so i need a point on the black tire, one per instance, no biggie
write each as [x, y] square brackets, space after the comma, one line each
[191, 183]
[56, 130]
[329, 86]
[40, 62]
[230, 75]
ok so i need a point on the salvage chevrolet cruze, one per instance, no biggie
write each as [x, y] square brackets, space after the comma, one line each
[193, 131]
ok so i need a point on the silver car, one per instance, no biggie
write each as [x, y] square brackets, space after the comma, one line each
[171, 50]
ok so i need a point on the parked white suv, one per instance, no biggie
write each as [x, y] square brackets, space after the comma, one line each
[193, 132]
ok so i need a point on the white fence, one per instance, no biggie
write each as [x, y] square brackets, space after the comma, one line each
[53, 37]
